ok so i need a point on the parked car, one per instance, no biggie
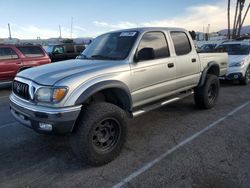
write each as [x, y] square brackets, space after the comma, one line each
[207, 48]
[239, 60]
[15, 58]
[64, 51]
[121, 74]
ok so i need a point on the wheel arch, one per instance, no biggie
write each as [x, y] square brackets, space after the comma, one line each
[115, 92]
[212, 68]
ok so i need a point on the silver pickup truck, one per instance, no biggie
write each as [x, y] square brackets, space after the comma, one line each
[122, 74]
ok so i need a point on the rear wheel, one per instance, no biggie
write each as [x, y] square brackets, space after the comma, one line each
[206, 96]
[101, 133]
[246, 79]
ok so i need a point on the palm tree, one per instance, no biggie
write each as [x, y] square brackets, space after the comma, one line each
[228, 19]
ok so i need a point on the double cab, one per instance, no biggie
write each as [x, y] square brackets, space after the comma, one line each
[120, 75]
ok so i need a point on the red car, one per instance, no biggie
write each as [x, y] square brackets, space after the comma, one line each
[15, 58]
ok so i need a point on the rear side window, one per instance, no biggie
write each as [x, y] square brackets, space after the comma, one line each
[79, 49]
[157, 41]
[7, 53]
[181, 43]
[31, 51]
[70, 49]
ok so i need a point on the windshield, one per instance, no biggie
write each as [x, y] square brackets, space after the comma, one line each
[112, 46]
[48, 49]
[234, 49]
[208, 46]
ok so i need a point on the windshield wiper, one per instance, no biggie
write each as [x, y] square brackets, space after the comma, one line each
[103, 57]
[81, 56]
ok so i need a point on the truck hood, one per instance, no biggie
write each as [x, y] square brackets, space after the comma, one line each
[236, 58]
[51, 73]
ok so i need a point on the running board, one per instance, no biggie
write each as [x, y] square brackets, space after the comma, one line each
[162, 103]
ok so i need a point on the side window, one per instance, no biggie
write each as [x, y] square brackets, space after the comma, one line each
[7, 53]
[181, 43]
[31, 51]
[59, 50]
[156, 41]
[70, 49]
[79, 49]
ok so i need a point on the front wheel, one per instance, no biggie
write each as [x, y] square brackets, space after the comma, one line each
[101, 133]
[246, 79]
[206, 96]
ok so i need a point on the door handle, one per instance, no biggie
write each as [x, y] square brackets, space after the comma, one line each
[18, 63]
[170, 65]
[194, 60]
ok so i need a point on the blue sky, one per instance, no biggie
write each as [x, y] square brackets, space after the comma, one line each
[33, 18]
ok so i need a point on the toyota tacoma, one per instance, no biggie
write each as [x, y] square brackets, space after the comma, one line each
[121, 74]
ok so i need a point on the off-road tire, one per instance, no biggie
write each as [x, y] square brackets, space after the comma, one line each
[206, 96]
[96, 122]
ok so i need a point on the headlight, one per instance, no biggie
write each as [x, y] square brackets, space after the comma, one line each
[237, 64]
[50, 94]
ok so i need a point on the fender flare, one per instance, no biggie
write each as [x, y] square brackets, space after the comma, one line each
[205, 72]
[110, 84]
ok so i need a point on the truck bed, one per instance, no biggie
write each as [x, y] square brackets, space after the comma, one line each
[220, 58]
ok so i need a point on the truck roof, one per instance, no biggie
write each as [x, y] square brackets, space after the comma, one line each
[143, 29]
[18, 45]
[237, 42]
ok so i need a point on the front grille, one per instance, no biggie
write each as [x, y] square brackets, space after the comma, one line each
[21, 89]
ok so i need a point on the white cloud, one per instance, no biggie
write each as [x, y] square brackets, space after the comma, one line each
[32, 32]
[193, 18]
[79, 28]
[120, 25]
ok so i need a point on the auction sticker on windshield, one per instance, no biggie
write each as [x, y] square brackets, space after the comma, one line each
[127, 34]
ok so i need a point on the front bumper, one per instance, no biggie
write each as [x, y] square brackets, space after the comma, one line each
[61, 120]
[234, 76]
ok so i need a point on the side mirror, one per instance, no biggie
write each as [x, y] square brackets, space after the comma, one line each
[145, 54]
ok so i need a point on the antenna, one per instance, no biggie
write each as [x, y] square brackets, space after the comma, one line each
[71, 28]
[9, 31]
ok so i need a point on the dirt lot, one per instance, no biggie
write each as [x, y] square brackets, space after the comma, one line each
[174, 146]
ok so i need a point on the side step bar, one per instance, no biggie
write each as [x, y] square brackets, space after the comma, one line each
[162, 103]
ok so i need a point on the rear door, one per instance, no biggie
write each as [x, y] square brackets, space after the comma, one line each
[33, 56]
[71, 52]
[10, 63]
[151, 79]
[187, 60]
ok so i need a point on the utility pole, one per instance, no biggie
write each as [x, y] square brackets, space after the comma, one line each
[9, 32]
[60, 31]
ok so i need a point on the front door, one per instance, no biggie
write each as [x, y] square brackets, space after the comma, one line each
[155, 77]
